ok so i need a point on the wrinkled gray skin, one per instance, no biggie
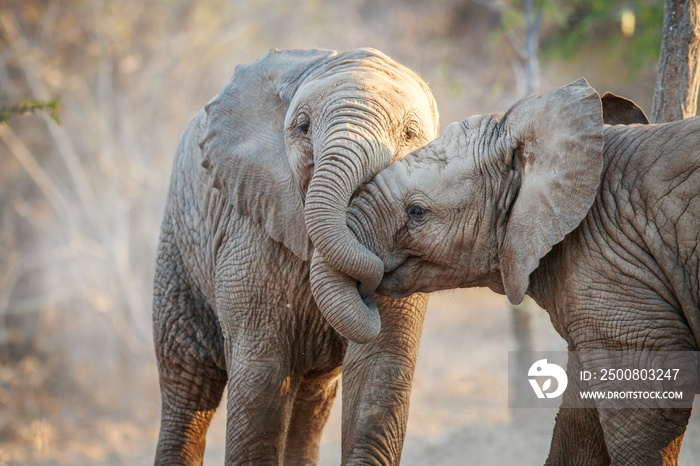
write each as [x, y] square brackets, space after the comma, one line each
[278, 153]
[599, 224]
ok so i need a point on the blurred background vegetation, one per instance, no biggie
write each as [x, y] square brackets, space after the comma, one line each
[81, 200]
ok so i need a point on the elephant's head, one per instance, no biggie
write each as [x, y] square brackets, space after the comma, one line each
[482, 204]
[294, 134]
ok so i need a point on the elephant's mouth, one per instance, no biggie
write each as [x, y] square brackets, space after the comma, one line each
[416, 274]
[399, 277]
[393, 263]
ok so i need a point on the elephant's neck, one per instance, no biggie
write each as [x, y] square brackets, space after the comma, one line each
[545, 284]
[542, 289]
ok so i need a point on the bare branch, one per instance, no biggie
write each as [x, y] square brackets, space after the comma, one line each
[22, 154]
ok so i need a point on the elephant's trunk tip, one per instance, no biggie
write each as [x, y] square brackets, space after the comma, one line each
[339, 301]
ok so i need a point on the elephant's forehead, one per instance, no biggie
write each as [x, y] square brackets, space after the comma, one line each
[446, 162]
[369, 83]
[450, 149]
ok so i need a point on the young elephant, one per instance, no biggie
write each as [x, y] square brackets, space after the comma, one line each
[278, 153]
[599, 224]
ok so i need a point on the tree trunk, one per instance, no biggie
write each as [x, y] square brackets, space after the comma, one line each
[676, 92]
[533, 21]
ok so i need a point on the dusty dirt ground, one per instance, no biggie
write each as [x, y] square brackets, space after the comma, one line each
[459, 404]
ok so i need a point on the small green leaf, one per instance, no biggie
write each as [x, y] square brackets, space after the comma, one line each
[30, 105]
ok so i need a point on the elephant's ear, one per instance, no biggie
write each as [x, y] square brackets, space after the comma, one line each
[620, 111]
[243, 143]
[557, 139]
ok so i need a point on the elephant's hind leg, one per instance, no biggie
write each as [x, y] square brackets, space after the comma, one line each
[187, 339]
[312, 405]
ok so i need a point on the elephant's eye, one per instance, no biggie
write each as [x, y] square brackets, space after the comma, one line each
[416, 212]
[408, 135]
[303, 124]
[303, 128]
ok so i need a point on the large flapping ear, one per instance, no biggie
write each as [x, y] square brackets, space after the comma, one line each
[620, 111]
[243, 144]
[558, 142]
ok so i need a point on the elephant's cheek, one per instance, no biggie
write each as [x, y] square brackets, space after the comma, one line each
[301, 160]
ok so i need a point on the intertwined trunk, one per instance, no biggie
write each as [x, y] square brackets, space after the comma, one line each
[340, 262]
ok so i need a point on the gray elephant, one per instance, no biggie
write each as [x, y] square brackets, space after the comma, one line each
[261, 181]
[599, 224]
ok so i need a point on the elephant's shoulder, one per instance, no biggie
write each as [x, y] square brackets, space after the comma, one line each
[673, 161]
[655, 174]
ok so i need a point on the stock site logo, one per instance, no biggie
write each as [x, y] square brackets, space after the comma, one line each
[542, 369]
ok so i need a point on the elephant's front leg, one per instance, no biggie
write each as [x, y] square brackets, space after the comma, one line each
[645, 430]
[377, 380]
[261, 390]
[644, 437]
[312, 406]
[578, 436]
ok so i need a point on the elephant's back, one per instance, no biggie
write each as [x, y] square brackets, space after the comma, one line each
[194, 209]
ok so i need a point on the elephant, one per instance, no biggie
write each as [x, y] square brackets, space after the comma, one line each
[599, 224]
[261, 180]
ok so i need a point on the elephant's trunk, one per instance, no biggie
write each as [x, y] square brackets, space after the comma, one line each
[346, 161]
[340, 302]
